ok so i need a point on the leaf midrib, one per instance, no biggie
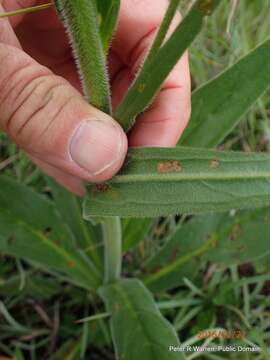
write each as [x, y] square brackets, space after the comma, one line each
[132, 309]
[122, 179]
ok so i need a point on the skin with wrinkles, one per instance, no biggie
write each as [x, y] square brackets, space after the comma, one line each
[42, 83]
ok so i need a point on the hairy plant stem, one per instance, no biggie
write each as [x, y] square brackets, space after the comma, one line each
[81, 22]
[80, 18]
[112, 237]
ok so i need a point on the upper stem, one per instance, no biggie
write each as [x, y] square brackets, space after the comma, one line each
[81, 21]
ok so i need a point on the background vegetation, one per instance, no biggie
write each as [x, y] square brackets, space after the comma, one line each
[38, 313]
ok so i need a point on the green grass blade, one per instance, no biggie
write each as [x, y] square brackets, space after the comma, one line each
[218, 106]
[108, 10]
[27, 10]
[80, 18]
[135, 319]
[155, 71]
[31, 229]
[156, 182]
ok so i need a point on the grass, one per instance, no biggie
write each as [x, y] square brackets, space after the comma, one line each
[39, 313]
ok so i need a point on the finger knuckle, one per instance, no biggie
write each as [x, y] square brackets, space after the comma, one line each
[44, 99]
[37, 102]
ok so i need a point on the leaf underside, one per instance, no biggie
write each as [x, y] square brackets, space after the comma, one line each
[157, 182]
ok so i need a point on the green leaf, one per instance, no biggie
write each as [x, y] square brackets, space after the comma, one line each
[185, 265]
[242, 238]
[164, 27]
[165, 181]
[155, 71]
[70, 350]
[233, 242]
[180, 256]
[134, 231]
[108, 10]
[18, 355]
[31, 229]
[80, 18]
[138, 328]
[218, 105]
[70, 209]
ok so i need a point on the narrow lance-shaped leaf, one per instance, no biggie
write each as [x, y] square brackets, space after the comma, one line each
[163, 30]
[157, 182]
[172, 273]
[232, 239]
[80, 18]
[155, 71]
[31, 229]
[181, 253]
[218, 105]
[134, 231]
[108, 10]
[85, 234]
[138, 328]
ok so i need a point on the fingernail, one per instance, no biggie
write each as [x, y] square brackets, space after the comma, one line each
[96, 146]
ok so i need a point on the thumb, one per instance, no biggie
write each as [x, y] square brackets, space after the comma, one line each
[50, 120]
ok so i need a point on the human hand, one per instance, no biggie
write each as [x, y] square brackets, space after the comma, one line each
[41, 107]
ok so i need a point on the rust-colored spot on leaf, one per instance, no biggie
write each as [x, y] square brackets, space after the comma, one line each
[267, 220]
[214, 241]
[241, 248]
[11, 240]
[101, 187]
[71, 264]
[206, 6]
[236, 232]
[169, 167]
[57, 242]
[214, 163]
[174, 255]
[141, 88]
